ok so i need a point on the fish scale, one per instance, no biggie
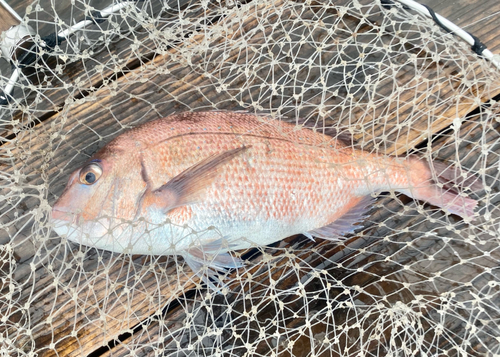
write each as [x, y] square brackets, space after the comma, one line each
[201, 184]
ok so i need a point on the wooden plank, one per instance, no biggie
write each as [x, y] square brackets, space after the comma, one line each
[108, 111]
[362, 279]
[7, 20]
[405, 107]
[42, 22]
[92, 74]
[478, 18]
[87, 74]
[435, 268]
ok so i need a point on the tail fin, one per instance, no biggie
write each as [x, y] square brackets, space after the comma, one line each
[441, 184]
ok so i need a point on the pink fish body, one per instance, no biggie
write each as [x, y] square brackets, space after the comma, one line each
[202, 184]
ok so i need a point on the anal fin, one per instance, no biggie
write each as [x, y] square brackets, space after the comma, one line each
[209, 261]
[345, 224]
[309, 235]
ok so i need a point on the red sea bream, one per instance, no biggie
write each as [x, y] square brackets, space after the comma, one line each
[202, 184]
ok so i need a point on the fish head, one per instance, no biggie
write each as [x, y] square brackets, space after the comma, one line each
[105, 189]
[83, 192]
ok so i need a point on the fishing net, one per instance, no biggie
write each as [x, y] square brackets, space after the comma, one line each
[412, 281]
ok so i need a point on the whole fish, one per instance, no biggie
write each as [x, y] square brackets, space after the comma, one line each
[202, 184]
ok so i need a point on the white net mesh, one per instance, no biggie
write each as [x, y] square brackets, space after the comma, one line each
[413, 282]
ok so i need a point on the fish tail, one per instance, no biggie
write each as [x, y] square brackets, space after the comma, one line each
[446, 181]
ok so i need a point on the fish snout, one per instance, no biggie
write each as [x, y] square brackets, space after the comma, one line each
[63, 222]
[59, 214]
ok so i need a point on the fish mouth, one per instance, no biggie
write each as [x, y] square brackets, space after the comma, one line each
[62, 220]
[95, 234]
[59, 216]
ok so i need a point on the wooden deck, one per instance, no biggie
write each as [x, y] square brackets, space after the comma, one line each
[136, 286]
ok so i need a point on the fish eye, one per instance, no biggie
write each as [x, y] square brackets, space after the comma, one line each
[90, 173]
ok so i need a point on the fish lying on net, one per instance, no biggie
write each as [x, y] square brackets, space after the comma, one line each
[202, 184]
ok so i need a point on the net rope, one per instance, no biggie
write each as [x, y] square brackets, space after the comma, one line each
[414, 281]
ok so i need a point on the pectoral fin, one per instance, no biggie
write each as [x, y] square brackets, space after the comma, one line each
[188, 186]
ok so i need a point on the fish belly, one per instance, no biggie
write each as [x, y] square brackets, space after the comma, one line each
[272, 207]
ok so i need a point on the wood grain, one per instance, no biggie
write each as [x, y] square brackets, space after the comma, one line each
[86, 74]
[106, 110]
[360, 264]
